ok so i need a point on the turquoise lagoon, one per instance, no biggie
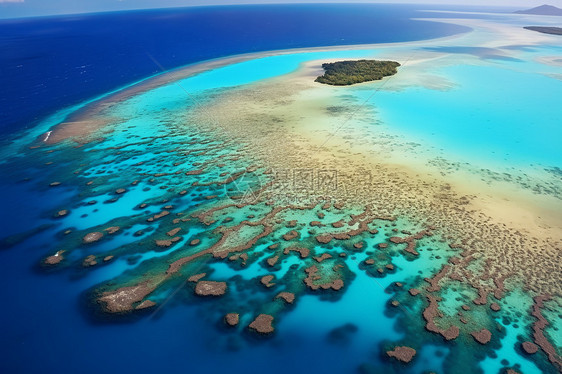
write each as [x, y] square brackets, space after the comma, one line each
[503, 112]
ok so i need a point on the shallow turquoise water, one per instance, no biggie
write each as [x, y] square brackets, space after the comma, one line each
[498, 124]
[513, 121]
[263, 68]
[507, 351]
[495, 113]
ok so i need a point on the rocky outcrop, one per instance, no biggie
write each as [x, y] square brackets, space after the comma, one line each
[338, 224]
[92, 237]
[434, 281]
[210, 288]
[232, 319]
[272, 260]
[482, 298]
[196, 277]
[430, 313]
[291, 235]
[262, 324]
[195, 172]
[529, 347]
[312, 271]
[54, 259]
[287, 296]
[482, 336]
[122, 299]
[89, 261]
[411, 241]
[292, 223]
[324, 239]
[112, 230]
[173, 231]
[61, 213]
[158, 216]
[167, 242]
[403, 354]
[304, 252]
[266, 280]
[538, 332]
[323, 257]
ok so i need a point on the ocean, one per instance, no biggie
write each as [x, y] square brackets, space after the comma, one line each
[51, 319]
[52, 62]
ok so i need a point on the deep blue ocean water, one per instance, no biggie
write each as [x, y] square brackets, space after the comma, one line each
[51, 62]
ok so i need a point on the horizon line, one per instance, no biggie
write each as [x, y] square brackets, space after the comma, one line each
[340, 2]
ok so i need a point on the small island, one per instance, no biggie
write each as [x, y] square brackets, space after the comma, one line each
[546, 30]
[543, 10]
[345, 73]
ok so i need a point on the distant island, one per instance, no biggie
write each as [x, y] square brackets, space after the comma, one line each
[345, 73]
[546, 30]
[543, 10]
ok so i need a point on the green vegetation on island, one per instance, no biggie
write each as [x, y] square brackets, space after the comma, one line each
[546, 30]
[345, 73]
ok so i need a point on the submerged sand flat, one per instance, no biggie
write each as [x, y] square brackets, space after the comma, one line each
[309, 184]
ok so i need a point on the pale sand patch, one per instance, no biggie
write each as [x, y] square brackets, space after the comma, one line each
[76, 130]
[550, 60]
[555, 76]
[490, 34]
